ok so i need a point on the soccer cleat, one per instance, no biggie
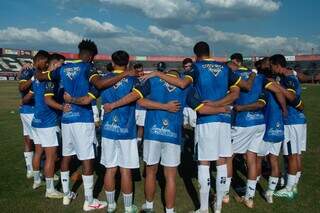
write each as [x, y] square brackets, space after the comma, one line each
[132, 209]
[248, 202]
[37, 185]
[144, 209]
[284, 193]
[226, 199]
[268, 195]
[96, 204]
[54, 194]
[29, 174]
[200, 211]
[295, 190]
[68, 198]
[112, 207]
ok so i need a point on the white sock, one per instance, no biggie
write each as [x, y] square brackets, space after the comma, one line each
[149, 205]
[221, 184]
[49, 185]
[28, 158]
[272, 184]
[298, 175]
[290, 182]
[65, 177]
[204, 181]
[127, 201]
[170, 210]
[258, 178]
[36, 177]
[251, 188]
[110, 197]
[88, 187]
[228, 185]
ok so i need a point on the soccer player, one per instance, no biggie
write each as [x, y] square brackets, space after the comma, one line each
[212, 80]
[26, 115]
[140, 115]
[248, 126]
[78, 129]
[45, 123]
[275, 110]
[295, 123]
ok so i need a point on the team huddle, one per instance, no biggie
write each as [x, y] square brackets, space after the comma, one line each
[257, 113]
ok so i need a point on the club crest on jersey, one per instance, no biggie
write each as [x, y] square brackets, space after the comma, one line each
[215, 69]
[165, 123]
[71, 72]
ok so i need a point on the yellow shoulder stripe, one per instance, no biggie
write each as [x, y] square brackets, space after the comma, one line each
[263, 101]
[137, 91]
[237, 82]
[299, 104]
[198, 107]
[92, 77]
[291, 90]
[48, 94]
[92, 95]
[188, 76]
[268, 84]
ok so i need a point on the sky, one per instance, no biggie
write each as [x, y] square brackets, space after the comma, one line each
[163, 27]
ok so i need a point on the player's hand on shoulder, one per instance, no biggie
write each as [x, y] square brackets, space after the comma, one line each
[149, 75]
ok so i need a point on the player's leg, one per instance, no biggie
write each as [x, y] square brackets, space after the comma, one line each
[170, 174]
[126, 188]
[26, 120]
[150, 186]
[226, 198]
[274, 177]
[36, 166]
[251, 159]
[221, 182]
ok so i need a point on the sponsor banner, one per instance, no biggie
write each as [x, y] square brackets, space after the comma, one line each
[3, 78]
[307, 58]
[141, 58]
[291, 58]
[10, 52]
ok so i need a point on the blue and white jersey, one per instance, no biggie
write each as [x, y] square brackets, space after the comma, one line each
[250, 118]
[295, 116]
[26, 75]
[274, 119]
[161, 125]
[44, 116]
[212, 81]
[75, 80]
[120, 123]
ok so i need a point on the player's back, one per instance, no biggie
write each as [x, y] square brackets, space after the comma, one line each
[211, 81]
[274, 119]
[254, 117]
[44, 116]
[119, 123]
[25, 75]
[74, 78]
[161, 125]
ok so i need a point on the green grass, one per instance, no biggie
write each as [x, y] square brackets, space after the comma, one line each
[16, 194]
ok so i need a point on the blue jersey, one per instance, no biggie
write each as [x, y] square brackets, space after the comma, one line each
[120, 123]
[161, 125]
[274, 119]
[295, 116]
[26, 75]
[74, 78]
[212, 81]
[44, 116]
[250, 118]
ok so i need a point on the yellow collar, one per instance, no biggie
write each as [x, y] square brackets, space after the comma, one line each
[118, 71]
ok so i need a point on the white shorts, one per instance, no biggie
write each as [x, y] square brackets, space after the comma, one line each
[295, 139]
[213, 140]
[189, 117]
[169, 153]
[122, 153]
[247, 138]
[26, 120]
[46, 137]
[140, 117]
[267, 148]
[78, 139]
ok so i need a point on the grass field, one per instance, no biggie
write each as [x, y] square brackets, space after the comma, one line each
[17, 195]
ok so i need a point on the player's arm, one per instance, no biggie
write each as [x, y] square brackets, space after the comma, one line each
[289, 93]
[173, 80]
[138, 92]
[172, 106]
[193, 101]
[272, 87]
[93, 94]
[103, 83]
[232, 95]
[49, 98]
[27, 98]
[247, 84]
[252, 107]
[25, 80]
[53, 75]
